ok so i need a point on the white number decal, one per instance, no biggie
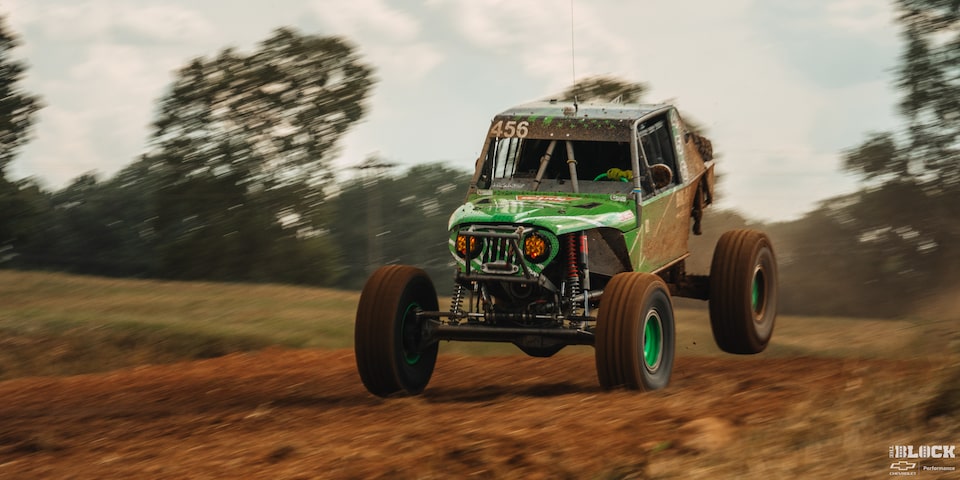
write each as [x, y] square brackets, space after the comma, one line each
[511, 129]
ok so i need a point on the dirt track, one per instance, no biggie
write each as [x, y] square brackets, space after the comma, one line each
[304, 414]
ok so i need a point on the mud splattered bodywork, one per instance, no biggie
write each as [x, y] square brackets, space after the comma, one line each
[545, 166]
[574, 231]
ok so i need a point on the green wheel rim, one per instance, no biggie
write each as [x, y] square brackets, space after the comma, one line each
[758, 292]
[409, 334]
[652, 341]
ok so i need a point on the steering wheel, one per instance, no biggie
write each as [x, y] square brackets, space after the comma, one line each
[604, 176]
[615, 174]
[662, 175]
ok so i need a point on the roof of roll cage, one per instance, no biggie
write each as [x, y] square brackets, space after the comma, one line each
[609, 111]
[570, 121]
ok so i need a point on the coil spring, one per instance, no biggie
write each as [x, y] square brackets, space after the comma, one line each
[573, 264]
[456, 302]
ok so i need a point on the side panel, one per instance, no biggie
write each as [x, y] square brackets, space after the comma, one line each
[666, 223]
[692, 158]
[684, 171]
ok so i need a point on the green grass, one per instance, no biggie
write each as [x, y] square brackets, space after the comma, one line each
[291, 316]
[796, 335]
[54, 324]
[65, 324]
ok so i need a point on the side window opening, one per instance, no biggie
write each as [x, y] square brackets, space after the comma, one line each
[657, 145]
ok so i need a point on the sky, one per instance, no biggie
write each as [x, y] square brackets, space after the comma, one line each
[783, 87]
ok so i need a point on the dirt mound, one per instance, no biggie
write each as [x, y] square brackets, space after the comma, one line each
[304, 414]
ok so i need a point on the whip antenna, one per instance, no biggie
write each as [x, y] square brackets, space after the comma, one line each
[573, 63]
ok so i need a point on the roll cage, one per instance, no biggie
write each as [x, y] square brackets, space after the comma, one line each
[580, 153]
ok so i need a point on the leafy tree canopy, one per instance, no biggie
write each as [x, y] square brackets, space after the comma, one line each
[17, 108]
[267, 118]
[904, 220]
[240, 152]
[927, 150]
[603, 89]
[17, 113]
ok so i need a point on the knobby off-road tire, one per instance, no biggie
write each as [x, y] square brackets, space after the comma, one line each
[387, 332]
[635, 335]
[743, 292]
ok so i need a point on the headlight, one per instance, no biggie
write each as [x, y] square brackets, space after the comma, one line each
[536, 247]
[467, 246]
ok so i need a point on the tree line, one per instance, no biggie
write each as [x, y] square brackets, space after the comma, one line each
[895, 243]
[237, 183]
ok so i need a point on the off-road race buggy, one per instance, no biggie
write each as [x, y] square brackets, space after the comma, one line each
[574, 232]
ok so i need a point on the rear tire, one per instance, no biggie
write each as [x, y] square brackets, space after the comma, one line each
[635, 335]
[388, 333]
[743, 292]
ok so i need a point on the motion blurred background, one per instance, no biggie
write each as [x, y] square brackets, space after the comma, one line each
[185, 180]
[309, 142]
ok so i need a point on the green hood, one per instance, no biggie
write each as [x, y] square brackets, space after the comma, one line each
[559, 213]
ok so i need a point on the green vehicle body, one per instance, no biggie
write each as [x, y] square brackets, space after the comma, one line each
[574, 231]
[644, 225]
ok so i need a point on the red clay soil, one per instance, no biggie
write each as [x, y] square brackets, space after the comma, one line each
[302, 414]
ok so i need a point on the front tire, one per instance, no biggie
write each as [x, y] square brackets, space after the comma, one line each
[388, 333]
[743, 292]
[635, 335]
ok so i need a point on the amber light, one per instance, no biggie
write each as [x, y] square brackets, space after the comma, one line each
[535, 247]
[461, 246]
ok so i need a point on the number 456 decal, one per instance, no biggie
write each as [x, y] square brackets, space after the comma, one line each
[509, 129]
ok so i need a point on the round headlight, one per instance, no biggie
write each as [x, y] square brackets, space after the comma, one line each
[536, 247]
[467, 246]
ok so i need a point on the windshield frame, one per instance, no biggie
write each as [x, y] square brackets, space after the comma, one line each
[543, 126]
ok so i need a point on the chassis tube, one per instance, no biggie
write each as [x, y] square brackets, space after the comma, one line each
[437, 331]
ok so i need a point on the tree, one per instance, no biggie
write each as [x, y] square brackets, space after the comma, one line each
[603, 89]
[911, 199]
[885, 249]
[413, 210]
[17, 113]
[930, 80]
[17, 108]
[241, 151]
[99, 227]
[929, 76]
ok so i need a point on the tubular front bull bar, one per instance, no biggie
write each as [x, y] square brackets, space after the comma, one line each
[513, 239]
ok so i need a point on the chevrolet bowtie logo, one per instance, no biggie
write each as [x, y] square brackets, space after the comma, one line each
[903, 465]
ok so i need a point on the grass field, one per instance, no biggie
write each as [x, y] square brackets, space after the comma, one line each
[56, 324]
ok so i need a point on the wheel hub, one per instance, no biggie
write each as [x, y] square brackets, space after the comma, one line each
[410, 334]
[758, 294]
[652, 341]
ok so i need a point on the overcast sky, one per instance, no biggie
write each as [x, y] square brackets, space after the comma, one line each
[782, 86]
